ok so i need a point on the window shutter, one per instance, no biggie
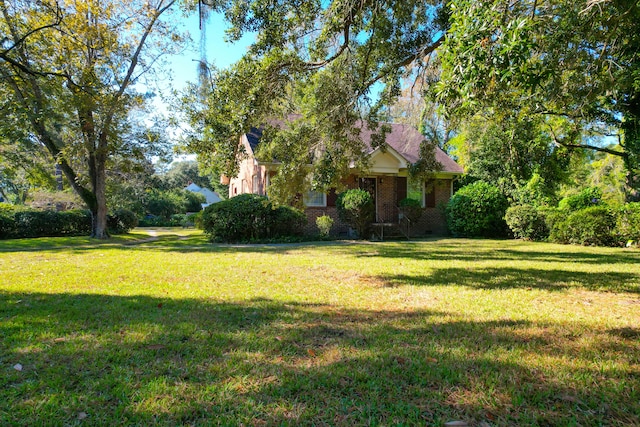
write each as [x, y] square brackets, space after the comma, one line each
[431, 198]
[332, 197]
[401, 189]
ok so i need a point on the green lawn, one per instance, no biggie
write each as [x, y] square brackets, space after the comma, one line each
[175, 331]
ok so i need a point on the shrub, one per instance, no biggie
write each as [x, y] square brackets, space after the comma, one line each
[590, 226]
[477, 210]
[286, 221]
[193, 201]
[526, 222]
[356, 208]
[7, 221]
[249, 217]
[411, 208]
[628, 223]
[122, 221]
[32, 223]
[165, 203]
[588, 197]
[324, 224]
[197, 220]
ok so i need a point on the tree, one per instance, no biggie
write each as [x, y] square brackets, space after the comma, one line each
[510, 153]
[181, 174]
[320, 60]
[575, 64]
[69, 70]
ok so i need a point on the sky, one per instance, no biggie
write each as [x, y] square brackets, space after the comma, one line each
[219, 53]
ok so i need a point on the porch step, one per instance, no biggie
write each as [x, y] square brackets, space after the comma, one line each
[388, 231]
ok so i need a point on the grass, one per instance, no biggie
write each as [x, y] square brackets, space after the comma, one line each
[175, 331]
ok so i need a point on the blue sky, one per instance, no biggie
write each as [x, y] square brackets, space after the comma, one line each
[184, 67]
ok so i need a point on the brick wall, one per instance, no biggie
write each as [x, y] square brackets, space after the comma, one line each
[431, 222]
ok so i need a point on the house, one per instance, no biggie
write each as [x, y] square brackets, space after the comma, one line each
[210, 196]
[387, 181]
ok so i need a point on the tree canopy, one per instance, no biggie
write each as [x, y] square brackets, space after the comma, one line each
[573, 64]
[320, 60]
[67, 73]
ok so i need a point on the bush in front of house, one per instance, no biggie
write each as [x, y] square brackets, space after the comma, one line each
[477, 210]
[411, 208]
[356, 208]
[249, 217]
[595, 226]
[526, 222]
[324, 224]
[286, 221]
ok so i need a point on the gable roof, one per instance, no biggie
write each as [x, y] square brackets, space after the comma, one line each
[404, 139]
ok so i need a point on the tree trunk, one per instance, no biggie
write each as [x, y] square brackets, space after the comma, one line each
[99, 230]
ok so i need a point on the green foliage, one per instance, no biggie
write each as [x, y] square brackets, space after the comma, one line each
[324, 224]
[193, 201]
[165, 203]
[249, 217]
[412, 209]
[588, 197]
[122, 221]
[549, 59]
[356, 208]
[590, 226]
[181, 174]
[67, 74]
[477, 210]
[197, 220]
[22, 223]
[515, 154]
[286, 221]
[628, 223]
[526, 222]
[328, 84]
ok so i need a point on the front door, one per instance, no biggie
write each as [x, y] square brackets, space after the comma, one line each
[369, 185]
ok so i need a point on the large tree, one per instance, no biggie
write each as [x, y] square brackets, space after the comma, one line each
[68, 70]
[576, 64]
[319, 59]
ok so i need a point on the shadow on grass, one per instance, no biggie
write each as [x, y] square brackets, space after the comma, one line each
[111, 360]
[477, 250]
[529, 278]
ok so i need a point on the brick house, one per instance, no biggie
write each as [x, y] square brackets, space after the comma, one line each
[387, 181]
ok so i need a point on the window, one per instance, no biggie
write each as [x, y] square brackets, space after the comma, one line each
[315, 198]
[415, 190]
[256, 184]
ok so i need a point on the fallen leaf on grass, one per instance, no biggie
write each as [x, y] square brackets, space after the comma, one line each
[156, 346]
[278, 338]
[431, 360]
[17, 367]
[159, 305]
[311, 353]
[61, 339]
[82, 415]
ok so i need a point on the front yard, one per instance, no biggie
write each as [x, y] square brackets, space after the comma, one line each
[170, 330]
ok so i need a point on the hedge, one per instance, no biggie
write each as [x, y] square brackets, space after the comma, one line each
[477, 210]
[249, 217]
[16, 222]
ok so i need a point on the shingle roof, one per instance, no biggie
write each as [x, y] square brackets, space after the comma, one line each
[404, 139]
